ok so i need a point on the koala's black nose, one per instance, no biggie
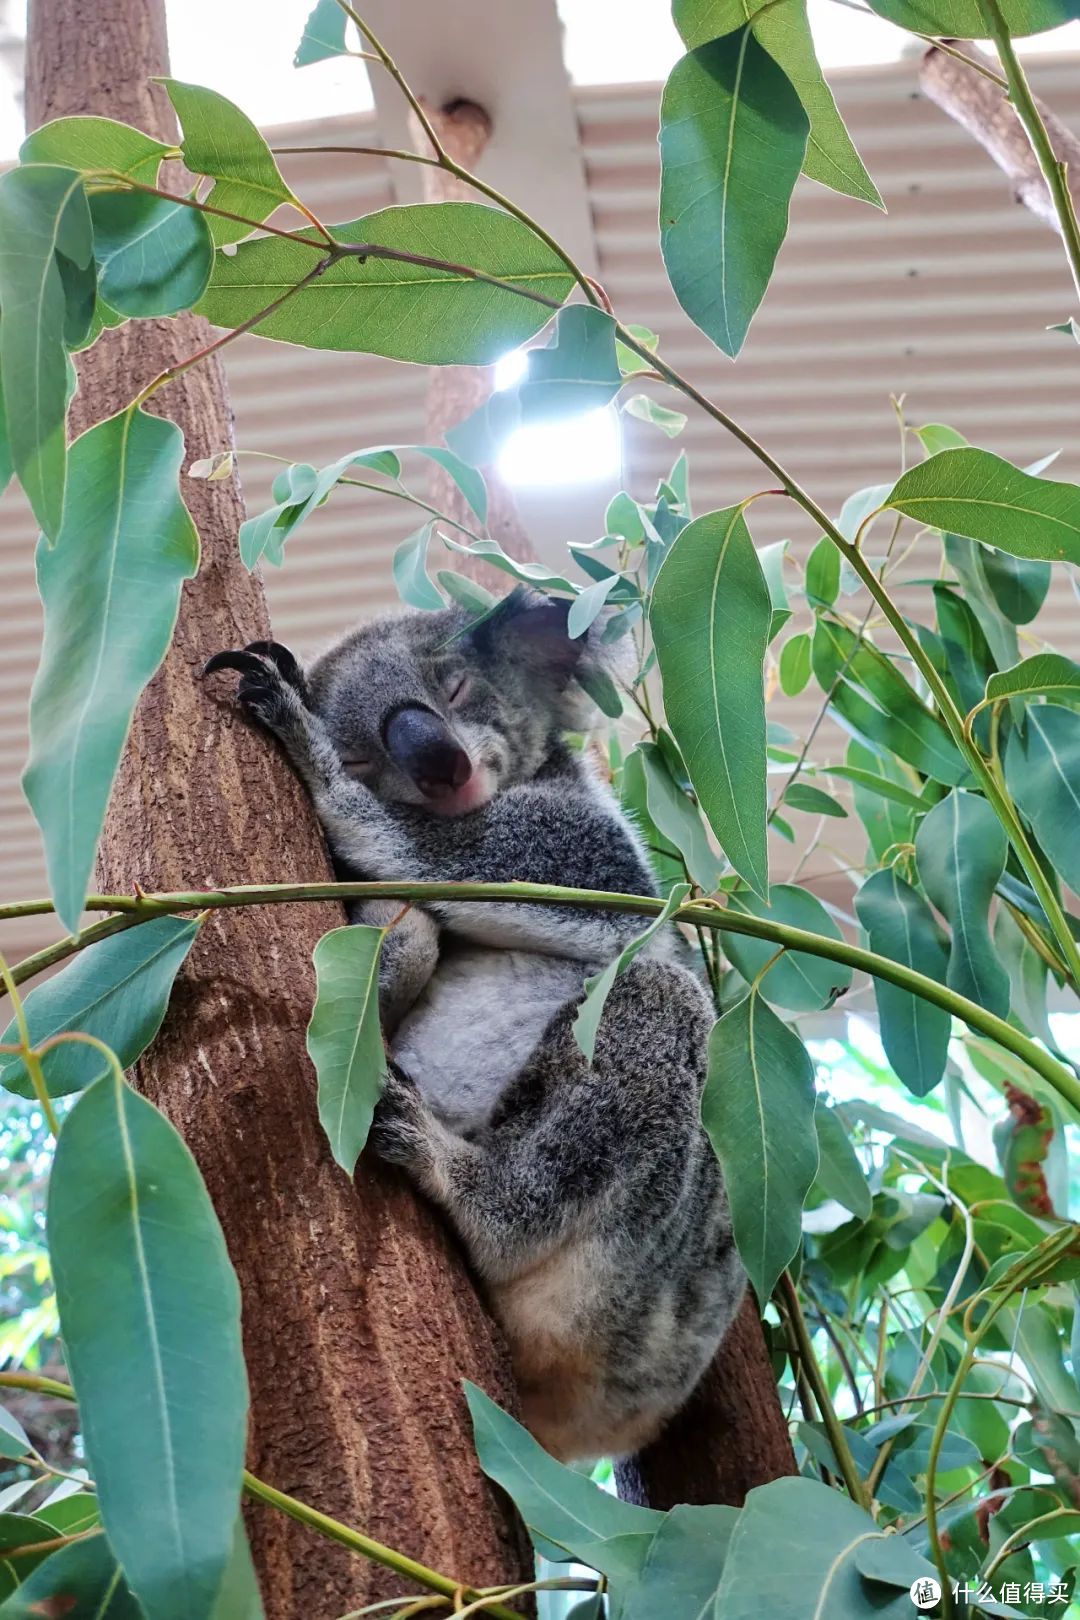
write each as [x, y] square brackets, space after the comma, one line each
[427, 751]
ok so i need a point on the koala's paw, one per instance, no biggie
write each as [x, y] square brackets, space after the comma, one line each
[399, 1128]
[271, 689]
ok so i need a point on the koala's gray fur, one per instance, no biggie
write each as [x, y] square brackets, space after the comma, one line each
[588, 1198]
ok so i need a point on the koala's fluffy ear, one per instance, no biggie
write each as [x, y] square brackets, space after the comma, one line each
[531, 629]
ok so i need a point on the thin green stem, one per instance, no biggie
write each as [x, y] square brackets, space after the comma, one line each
[30, 1057]
[414, 500]
[833, 1427]
[1053, 171]
[703, 913]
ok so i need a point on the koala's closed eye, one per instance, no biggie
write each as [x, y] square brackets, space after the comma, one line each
[457, 689]
[358, 766]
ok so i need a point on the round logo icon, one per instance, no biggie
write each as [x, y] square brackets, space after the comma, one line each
[926, 1593]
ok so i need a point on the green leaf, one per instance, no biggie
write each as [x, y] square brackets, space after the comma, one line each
[771, 559]
[1042, 770]
[802, 796]
[44, 226]
[390, 307]
[466, 592]
[576, 371]
[971, 492]
[1048, 674]
[710, 615]
[647, 410]
[684, 1563]
[823, 574]
[13, 1437]
[6, 464]
[154, 256]
[795, 664]
[758, 1112]
[798, 1550]
[900, 925]
[965, 19]
[110, 590]
[323, 36]
[881, 785]
[564, 1512]
[535, 574]
[840, 1174]
[298, 491]
[20, 1530]
[784, 31]
[960, 850]
[221, 142]
[117, 990]
[150, 1319]
[94, 144]
[935, 436]
[678, 819]
[82, 1581]
[629, 362]
[598, 987]
[344, 1040]
[797, 981]
[1018, 587]
[587, 604]
[468, 480]
[967, 558]
[732, 142]
[411, 577]
[239, 1597]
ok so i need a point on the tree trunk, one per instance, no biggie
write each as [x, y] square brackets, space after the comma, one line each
[730, 1436]
[454, 392]
[985, 111]
[359, 1317]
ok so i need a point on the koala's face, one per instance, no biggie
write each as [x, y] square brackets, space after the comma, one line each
[425, 711]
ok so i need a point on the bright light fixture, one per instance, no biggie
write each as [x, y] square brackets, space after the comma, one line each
[581, 449]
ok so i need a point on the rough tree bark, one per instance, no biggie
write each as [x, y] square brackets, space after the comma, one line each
[454, 392]
[359, 1316]
[983, 109]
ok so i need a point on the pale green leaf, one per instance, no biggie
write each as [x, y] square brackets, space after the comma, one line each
[840, 1173]
[13, 1437]
[758, 1112]
[221, 142]
[239, 1597]
[960, 850]
[298, 491]
[1042, 770]
[678, 819]
[795, 664]
[1045, 674]
[110, 589]
[598, 987]
[43, 216]
[150, 1319]
[900, 925]
[466, 592]
[881, 785]
[323, 36]
[974, 493]
[935, 436]
[812, 800]
[732, 142]
[344, 1040]
[647, 410]
[414, 584]
[391, 307]
[683, 1566]
[965, 19]
[710, 616]
[154, 256]
[92, 145]
[823, 574]
[82, 1581]
[117, 990]
[797, 980]
[587, 604]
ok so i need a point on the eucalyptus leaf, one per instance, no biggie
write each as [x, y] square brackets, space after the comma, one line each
[150, 1318]
[758, 1112]
[710, 615]
[221, 142]
[974, 493]
[1018, 586]
[840, 1174]
[154, 256]
[965, 19]
[960, 849]
[797, 981]
[344, 1040]
[1044, 674]
[598, 987]
[411, 577]
[43, 215]
[679, 819]
[795, 664]
[466, 592]
[936, 436]
[110, 590]
[1042, 770]
[882, 785]
[117, 990]
[95, 144]
[732, 142]
[900, 925]
[784, 31]
[814, 801]
[823, 574]
[82, 1581]
[298, 494]
[683, 1566]
[390, 306]
[659, 416]
[323, 36]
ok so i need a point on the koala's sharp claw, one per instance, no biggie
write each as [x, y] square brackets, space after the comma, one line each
[247, 663]
[282, 659]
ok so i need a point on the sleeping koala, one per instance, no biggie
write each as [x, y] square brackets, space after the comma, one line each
[588, 1198]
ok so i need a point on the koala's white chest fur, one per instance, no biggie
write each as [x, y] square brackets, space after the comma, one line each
[476, 1023]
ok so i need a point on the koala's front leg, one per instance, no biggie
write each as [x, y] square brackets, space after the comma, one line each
[410, 955]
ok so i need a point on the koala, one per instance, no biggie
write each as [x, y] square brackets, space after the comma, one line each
[588, 1197]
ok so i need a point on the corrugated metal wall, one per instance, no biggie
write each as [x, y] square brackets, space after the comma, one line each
[945, 300]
